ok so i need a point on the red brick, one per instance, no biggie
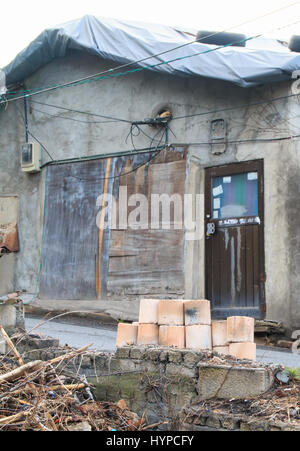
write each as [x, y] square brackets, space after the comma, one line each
[219, 333]
[243, 350]
[172, 336]
[147, 334]
[198, 336]
[197, 312]
[148, 311]
[170, 313]
[126, 334]
[240, 329]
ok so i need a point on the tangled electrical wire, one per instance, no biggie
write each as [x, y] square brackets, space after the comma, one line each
[154, 154]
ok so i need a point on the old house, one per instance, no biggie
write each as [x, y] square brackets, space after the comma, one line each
[212, 128]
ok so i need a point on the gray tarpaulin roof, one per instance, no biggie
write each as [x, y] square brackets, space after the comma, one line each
[125, 42]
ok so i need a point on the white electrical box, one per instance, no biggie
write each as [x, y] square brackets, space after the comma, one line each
[31, 157]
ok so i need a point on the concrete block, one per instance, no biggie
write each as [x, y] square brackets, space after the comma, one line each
[240, 329]
[227, 382]
[221, 350]
[147, 334]
[172, 336]
[126, 334]
[170, 312]
[3, 349]
[219, 333]
[243, 350]
[197, 312]
[198, 337]
[148, 311]
[8, 316]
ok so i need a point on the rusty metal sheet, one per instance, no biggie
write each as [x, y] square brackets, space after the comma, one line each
[9, 240]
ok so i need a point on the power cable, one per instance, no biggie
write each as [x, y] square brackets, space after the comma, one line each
[187, 116]
[72, 110]
[222, 110]
[33, 136]
[156, 152]
[42, 145]
[241, 141]
[60, 116]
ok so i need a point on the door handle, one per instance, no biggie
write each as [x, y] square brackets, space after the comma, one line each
[210, 229]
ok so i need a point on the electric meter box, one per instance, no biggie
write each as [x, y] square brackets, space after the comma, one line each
[31, 157]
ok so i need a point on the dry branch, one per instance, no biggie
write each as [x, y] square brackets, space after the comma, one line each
[19, 372]
[48, 396]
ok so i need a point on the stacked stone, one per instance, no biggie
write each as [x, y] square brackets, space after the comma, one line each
[187, 323]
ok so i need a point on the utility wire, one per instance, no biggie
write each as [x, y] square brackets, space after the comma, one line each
[154, 155]
[222, 110]
[204, 113]
[72, 110]
[60, 116]
[42, 145]
[89, 79]
[241, 141]
[33, 136]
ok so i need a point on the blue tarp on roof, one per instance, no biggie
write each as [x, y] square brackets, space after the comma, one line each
[126, 42]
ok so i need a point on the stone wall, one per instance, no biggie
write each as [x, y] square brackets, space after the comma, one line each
[165, 384]
[201, 419]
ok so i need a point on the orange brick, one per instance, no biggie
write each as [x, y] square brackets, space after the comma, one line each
[126, 334]
[147, 334]
[219, 333]
[170, 313]
[240, 329]
[198, 336]
[148, 311]
[222, 350]
[197, 312]
[172, 336]
[243, 350]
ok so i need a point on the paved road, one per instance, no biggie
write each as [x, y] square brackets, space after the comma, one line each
[75, 335]
[104, 337]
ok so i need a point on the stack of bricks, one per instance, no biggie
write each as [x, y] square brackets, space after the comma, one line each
[240, 336]
[187, 324]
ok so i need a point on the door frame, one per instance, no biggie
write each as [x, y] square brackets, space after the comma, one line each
[232, 169]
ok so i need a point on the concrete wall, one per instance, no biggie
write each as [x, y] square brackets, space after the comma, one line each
[138, 96]
[8, 214]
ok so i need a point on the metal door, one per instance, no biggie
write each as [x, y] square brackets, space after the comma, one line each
[234, 239]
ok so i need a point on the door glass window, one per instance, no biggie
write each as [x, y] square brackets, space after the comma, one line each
[235, 195]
